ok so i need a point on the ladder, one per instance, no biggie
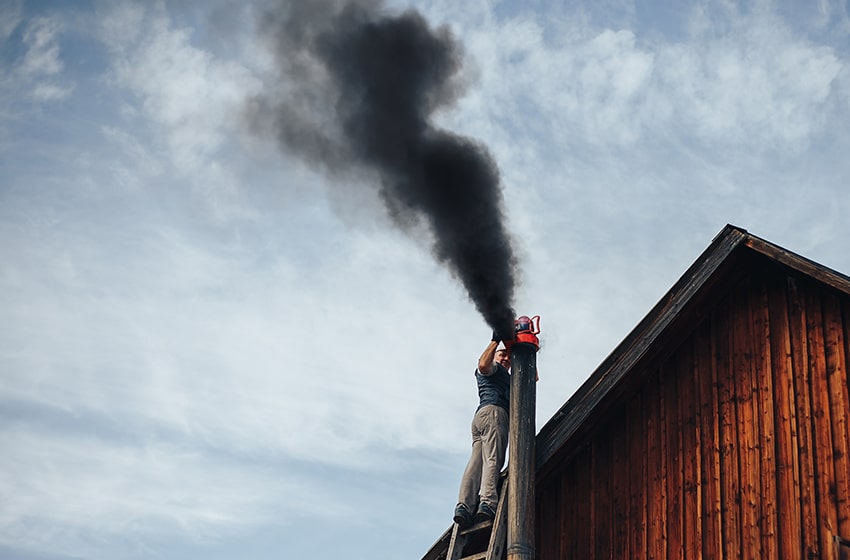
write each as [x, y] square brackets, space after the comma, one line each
[470, 543]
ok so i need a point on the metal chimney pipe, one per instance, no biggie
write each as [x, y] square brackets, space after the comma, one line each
[521, 457]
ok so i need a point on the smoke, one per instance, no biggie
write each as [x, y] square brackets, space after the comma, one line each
[357, 89]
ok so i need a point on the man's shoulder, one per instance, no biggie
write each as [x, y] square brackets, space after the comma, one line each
[499, 370]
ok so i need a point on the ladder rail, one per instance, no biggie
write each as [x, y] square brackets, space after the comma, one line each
[497, 538]
[498, 535]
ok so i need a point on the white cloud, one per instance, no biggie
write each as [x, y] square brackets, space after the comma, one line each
[186, 99]
[11, 15]
[50, 92]
[756, 85]
[85, 496]
[134, 164]
[38, 73]
[192, 97]
[160, 331]
[121, 25]
[42, 56]
[746, 82]
[42, 64]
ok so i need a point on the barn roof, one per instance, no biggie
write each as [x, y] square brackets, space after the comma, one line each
[718, 266]
[727, 259]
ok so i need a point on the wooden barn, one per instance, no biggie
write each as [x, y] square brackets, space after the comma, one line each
[717, 429]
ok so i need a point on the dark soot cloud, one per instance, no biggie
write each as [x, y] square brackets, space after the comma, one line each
[358, 88]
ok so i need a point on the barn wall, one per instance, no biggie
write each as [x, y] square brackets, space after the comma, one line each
[734, 446]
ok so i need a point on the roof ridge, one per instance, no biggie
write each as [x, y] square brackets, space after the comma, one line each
[575, 411]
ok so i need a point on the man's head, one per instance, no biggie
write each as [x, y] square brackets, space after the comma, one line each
[503, 357]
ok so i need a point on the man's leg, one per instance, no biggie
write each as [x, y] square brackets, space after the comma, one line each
[471, 481]
[494, 442]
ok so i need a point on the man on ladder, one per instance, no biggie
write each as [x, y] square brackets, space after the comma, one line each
[479, 485]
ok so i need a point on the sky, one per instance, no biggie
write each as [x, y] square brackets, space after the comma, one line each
[212, 348]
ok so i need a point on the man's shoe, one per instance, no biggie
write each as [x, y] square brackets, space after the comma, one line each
[463, 516]
[485, 513]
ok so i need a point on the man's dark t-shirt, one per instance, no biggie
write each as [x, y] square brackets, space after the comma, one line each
[494, 388]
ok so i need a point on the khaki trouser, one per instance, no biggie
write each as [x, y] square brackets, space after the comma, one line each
[489, 441]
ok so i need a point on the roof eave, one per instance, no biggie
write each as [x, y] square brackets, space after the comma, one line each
[576, 411]
[632, 349]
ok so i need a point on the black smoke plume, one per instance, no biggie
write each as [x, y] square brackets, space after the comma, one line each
[358, 89]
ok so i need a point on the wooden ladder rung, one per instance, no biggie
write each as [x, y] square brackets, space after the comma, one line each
[472, 529]
[494, 530]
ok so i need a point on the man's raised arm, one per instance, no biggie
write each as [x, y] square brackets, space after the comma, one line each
[486, 363]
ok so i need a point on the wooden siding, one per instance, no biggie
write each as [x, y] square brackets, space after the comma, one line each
[733, 445]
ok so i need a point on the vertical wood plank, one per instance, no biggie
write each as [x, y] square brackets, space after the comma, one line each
[802, 392]
[729, 476]
[583, 535]
[827, 520]
[637, 478]
[692, 531]
[542, 502]
[547, 496]
[712, 534]
[601, 491]
[748, 463]
[569, 512]
[673, 460]
[836, 369]
[620, 485]
[655, 501]
[664, 496]
[760, 313]
[787, 460]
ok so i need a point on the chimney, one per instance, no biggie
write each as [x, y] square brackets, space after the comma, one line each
[521, 460]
